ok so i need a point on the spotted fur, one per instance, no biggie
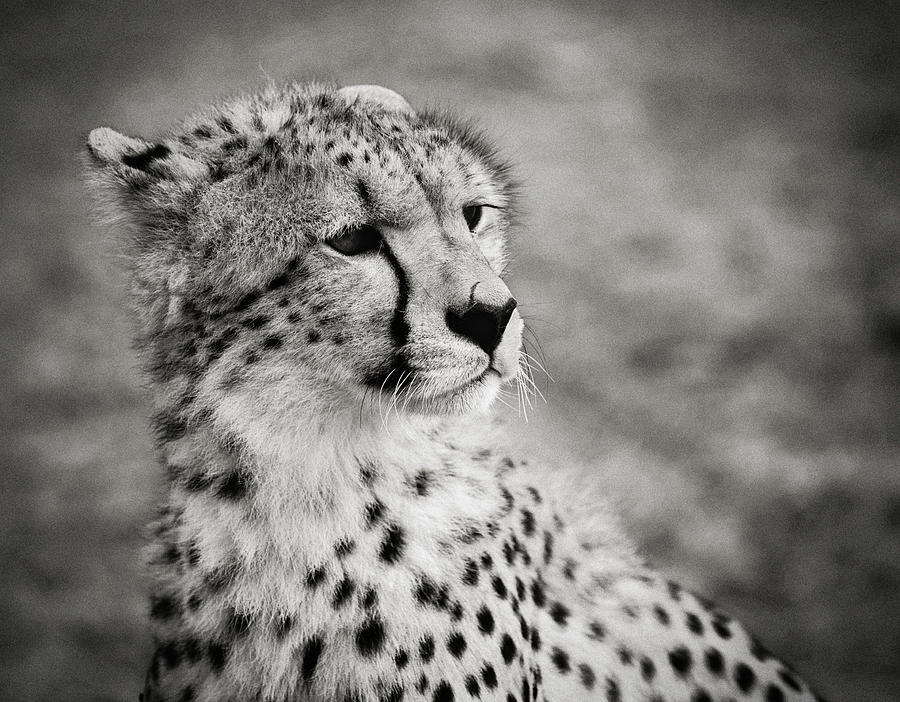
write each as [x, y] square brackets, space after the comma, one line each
[325, 328]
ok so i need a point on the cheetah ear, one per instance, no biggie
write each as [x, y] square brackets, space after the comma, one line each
[138, 181]
[136, 160]
[375, 94]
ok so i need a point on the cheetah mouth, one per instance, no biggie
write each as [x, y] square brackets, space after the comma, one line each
[474, 383]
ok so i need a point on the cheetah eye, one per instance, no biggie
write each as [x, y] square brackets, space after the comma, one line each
[358, 240]
[472, 214]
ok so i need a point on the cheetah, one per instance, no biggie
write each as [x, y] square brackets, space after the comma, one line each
[318, 302]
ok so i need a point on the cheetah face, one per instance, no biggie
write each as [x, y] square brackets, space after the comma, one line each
[326, 243]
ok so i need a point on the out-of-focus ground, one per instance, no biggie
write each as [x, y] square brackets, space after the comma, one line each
[709, 259]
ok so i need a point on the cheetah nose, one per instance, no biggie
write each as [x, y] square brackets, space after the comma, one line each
[482, 323]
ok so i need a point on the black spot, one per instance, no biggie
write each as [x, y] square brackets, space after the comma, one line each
[362, 189]
[368, 473]
[312, 650]
[164, 607]
[520, 588]
[272, 342]
[194, 601]
[548, 547]
[560, 659]
[193, 554]
[192, 650]
[370, 637]
[171, 554]
[596, 631]
[527, 522]
[428, 593]
[374, 512]
[422, 482]
[168, 427]
[470, 534]
[203, 132]
[535, 495]
[510, 697]
[344, 547]
[235, 485]
[694, 624]
[142, 160]
[315, 576]
[625, 655]
[344, 159]
[744, 677]
[369, 598]
[489, 676]
[283, 626]
[535, 639]
[472, 686]
[774, 693]
[485, 620]
[426, 648]
[393, 694]
[343, 592]
[170, 654]
[247, 300]
[256, 321]
[789, 680]
[217, 653]
[537, 593]
[648, 670]
[586, 676]
[507, 648]
[225, 124]
[499, 587]
[509, 553]
[720, 626]
[393, 544]
[401, 658]
[456, 611]
[661, 614]
[312, 336]
[422, 684]
[456, 644]
[486, 561]
[235, 144]
[238, 622]
[559, 613]
[613, 693]
[715, 663]
[508, 501]
[674, 590]
[700, 695]
[758, 651]
[470, 572]
[443, 692]
[681, 660]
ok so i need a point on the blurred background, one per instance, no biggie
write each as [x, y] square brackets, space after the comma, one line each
[709, 262]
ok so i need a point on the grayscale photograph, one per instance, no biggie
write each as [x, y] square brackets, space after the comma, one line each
[441, 351]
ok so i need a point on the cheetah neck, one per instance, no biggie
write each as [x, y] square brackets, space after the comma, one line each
[300, 490]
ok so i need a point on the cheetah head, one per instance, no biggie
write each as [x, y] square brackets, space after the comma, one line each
[315, 247]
